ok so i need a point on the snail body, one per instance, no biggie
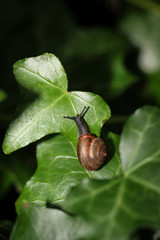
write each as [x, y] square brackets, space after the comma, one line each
[91, 150]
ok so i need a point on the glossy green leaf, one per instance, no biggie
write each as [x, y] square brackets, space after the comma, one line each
[141, 136]
[35, 222]
[59, 169]
[45, 100]
[118, 206]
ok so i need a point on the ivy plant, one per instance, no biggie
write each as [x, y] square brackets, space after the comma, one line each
[62, 200]
[46, 100]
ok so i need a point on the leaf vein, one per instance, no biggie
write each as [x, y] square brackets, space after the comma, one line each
[42, 78]
[143, 182]
[35, 119]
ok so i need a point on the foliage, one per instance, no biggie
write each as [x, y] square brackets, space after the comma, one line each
[45, 76]
[111, 65]
[110, 196]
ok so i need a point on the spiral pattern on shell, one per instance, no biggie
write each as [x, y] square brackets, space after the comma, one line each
[91, 152]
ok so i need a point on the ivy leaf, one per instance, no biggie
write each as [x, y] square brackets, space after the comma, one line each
[119, 205]
[45, 100]
[40, 223]
[59, 170]
[143, 145]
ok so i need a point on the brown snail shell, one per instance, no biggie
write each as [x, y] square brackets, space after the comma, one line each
[91, 150]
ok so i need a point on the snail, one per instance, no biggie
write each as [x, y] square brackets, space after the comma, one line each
[91, 150]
